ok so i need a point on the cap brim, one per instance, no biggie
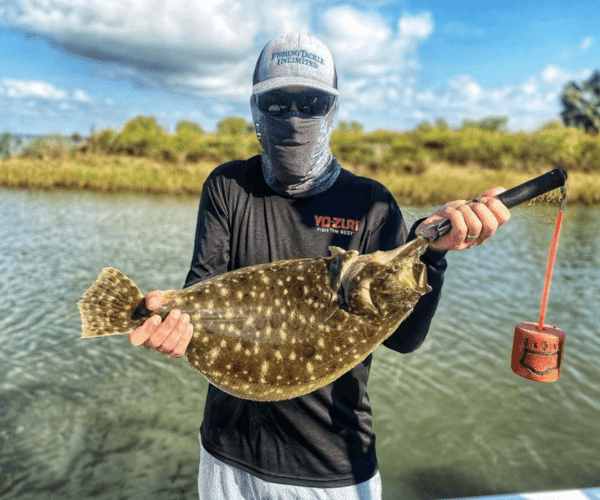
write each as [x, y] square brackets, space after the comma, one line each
[285, 81]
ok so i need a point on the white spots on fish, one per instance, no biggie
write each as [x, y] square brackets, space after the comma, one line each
[238, 347]
[292, 356]
[309, 367]
[223, 343]
[278, 356]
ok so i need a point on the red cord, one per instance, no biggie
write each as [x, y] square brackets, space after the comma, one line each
[549, 269]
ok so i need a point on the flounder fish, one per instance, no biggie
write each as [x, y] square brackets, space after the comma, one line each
[278, 330]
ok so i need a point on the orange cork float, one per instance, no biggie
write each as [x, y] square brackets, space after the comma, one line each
[537, 355]
[538, 349]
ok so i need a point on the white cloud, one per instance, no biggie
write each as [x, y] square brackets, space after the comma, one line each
[527, 105]
[30, 105]
[359, 41]
[209, 49]
[555, 75]
[81, 96]
[587, 43]
[417, 27]
[377, 60]
[23, 89]
[530, 86]
[184, 45]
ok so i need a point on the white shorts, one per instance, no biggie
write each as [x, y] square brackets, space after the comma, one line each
[220, 481]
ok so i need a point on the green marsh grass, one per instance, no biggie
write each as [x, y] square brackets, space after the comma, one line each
[429, 165]
[433, 183]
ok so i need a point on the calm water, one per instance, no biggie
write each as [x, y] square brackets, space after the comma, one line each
[101, 419]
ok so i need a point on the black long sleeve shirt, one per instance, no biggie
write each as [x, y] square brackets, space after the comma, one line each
[324, 438]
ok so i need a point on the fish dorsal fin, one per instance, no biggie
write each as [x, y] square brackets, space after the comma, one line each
[338, 264]
[343, 267]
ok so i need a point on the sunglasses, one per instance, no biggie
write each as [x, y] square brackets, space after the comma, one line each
[311, 102]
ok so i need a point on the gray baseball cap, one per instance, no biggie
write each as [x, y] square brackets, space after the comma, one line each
[295, 59]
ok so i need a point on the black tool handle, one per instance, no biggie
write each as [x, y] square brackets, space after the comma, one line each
[533, 188]
[519, 194]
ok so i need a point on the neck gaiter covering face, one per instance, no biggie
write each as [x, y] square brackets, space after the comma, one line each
[296, 158]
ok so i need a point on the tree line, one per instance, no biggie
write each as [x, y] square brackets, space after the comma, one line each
[572, 144]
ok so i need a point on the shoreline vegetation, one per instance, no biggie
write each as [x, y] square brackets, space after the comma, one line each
[429, 165]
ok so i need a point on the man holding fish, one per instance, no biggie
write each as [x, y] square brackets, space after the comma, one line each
[295, 201]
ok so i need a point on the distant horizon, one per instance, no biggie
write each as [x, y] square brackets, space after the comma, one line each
[69, 67]
[337, 124]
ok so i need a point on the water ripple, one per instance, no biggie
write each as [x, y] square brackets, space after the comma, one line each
[89, 418]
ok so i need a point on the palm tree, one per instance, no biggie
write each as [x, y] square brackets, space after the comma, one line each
[581, 104]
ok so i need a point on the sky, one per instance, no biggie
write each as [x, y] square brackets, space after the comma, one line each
[71, 66]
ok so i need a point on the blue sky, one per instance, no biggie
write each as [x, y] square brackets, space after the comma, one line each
[72, 65]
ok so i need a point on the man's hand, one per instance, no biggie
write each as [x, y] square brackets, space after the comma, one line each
[171, 336]
[473, 222]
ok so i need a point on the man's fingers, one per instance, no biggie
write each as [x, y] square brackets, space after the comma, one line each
[173, 338]
[474, 224]
[459, 228]
[154, 300]
[499, 209]
[492, 193]
[487, 223]
[164, 330]
[181, 346]
[142, 333]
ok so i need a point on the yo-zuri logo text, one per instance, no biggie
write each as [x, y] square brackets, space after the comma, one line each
[326, 224]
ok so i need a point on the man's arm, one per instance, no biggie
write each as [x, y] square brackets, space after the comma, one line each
[472, 224]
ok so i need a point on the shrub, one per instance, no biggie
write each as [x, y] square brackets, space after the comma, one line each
[50, 146]
[141, 136]
[232, 126]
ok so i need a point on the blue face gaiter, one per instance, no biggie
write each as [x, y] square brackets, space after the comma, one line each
[296, 158]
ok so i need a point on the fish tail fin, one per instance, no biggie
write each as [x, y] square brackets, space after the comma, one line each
[108, 305]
